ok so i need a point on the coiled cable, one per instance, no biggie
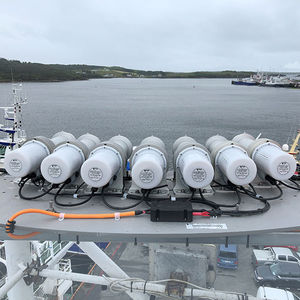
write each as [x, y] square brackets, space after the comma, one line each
[22, 184]
[90, 196]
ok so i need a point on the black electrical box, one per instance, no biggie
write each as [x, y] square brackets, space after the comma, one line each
[171, 211]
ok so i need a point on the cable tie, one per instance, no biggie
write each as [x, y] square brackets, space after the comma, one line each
[117, 216]
[10, 226]
[75, 196]
[61, 217]
[131, 283]
[144, 291]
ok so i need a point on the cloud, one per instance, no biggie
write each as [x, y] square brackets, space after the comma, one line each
[172, 35]
[293, 66]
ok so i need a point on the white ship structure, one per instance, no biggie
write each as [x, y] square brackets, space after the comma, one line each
[12, 132]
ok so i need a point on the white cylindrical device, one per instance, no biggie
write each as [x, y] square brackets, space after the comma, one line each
[105, 161]
[193, 161]
[149, 163]
[244, 139]
[269, 157]
[123, 142]
[91, 141]
[61, 137]
[232, 160]
[67, 159]
[27, 159]
[215, 141]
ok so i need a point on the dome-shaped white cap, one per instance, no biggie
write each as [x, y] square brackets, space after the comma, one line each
[98, 170]
[147, 172]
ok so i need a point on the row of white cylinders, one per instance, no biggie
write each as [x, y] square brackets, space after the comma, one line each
[28, 158]
[232, 160]
[67, 158]
[100, 162]
[268, 156]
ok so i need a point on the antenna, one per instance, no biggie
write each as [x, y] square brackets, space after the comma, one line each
[258, 136]
[12, 74]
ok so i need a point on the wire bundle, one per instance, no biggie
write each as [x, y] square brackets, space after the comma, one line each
[216, 209]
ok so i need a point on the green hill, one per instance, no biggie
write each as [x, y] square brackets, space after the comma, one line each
[27, 71]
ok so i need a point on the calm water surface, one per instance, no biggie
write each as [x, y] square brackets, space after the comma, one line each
[167, 108]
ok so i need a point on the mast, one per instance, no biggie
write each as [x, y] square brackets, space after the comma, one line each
[15, 134]
[294, 151]
[18, 100]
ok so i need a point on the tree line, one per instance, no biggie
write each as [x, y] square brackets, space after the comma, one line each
[14, 70]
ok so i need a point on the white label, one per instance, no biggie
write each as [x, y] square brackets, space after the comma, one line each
[95, 174]
[199, 174]
[54, 171]
[241, 172]
[146, 176]
[15, 165]
[283, 168]
[212, 226]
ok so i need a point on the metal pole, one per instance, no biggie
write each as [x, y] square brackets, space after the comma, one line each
[107, 265]
[59, 255]
[102, 260]
[10, 283]
[138, 287]
[3, 261]
[18, 252]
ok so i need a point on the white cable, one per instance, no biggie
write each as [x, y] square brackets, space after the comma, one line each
[117, 287]
[181, 281]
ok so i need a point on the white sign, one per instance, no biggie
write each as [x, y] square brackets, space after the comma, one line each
[213, 226]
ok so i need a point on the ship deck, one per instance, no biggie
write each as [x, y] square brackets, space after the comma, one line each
[276, 226]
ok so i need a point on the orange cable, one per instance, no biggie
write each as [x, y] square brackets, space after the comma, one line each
[60, 215]
[82, 283]
[23, 236]
[90, 271]
[71, 216]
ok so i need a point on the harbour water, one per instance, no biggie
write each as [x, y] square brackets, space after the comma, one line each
[167, 108]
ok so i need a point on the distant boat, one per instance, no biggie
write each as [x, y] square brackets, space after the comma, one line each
[268, 81]
[279, 81]
[244, 81]
[252, 80]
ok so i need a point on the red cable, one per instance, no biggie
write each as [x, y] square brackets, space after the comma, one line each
[202, 214]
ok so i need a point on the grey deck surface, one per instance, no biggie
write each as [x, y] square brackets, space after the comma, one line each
[284, 215]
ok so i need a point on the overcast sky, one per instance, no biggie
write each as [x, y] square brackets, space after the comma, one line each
[170, 35]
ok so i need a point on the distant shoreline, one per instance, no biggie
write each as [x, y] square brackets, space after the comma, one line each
[36, 72]
[14, 70]
[57, 81]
